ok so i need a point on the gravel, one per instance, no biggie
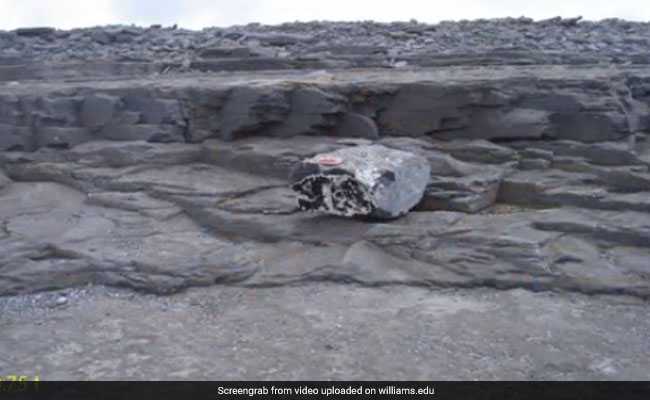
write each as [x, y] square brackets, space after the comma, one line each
[322, 39]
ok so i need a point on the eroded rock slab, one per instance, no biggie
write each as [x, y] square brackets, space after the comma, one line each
[125, 165]
[585, 105]
[454, 185]
[56, 238]
[107, 212]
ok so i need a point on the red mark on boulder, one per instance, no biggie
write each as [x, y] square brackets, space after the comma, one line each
[329, 160]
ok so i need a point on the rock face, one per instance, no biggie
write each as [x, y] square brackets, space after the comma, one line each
[522, 168]
[587, 105]
[160, 159]
[366, 180]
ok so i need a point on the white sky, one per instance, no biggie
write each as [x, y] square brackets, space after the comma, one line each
[196, 14]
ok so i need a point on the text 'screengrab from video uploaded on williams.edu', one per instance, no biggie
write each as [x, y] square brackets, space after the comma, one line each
[321, 390]
[324, 389]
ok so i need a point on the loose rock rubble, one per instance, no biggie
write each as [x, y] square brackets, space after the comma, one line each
[502, 41]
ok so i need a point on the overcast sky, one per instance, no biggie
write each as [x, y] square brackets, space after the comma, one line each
[196, 14]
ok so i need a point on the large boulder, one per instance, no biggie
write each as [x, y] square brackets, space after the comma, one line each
[369, 180]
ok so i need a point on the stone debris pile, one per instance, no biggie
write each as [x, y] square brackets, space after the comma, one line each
[256, 46]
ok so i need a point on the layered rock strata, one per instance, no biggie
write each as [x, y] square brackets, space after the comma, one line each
[538, 174]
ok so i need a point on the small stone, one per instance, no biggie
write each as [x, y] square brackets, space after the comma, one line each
[34, 32]
[61, 300]
[102, 37]
[357, 125]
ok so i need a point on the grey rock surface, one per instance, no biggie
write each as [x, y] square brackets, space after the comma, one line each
[104, 212]
[366, 180]
[156, 160]
[581, 105]
[326, 331]
[100, 178]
